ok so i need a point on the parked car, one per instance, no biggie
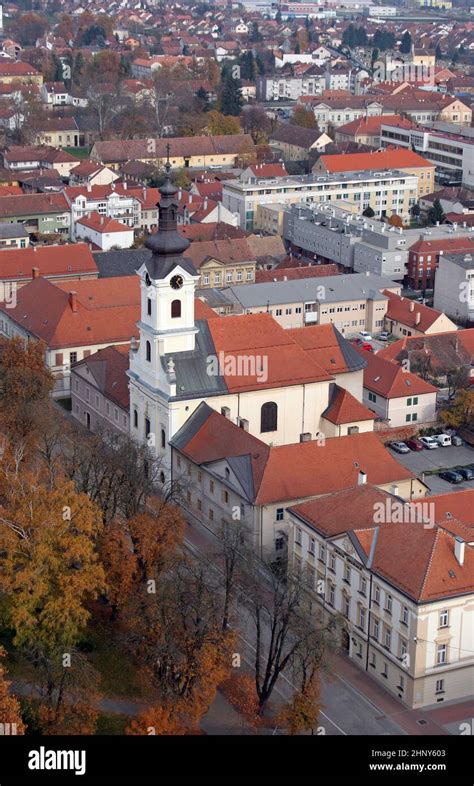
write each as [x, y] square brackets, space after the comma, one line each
[364, 335]
[368, 347]
[383, 336]
[451, 476]
[457, 441]
[414, 444]
[429, 443]
[399, 447]
[466, 472]
[444, 440]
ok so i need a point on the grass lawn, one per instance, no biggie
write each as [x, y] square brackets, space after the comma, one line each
[120, 676]
[79, 152]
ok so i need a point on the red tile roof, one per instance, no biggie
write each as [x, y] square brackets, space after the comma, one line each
[103, 224]
[344, 408]
[228, 251]
[324, 345]
[32, 204]
[290, 472]
[446, 350]
[65, 260]
[259, 336]
[406, 311]
[392, 381]
[291, 273]
[397, 158]
[372, 125]
[108, 369]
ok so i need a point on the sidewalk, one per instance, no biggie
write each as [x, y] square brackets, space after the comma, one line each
[436, 716]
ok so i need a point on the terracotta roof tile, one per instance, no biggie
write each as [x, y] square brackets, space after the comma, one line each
[406, 311]
[397, 158]
[345, 408]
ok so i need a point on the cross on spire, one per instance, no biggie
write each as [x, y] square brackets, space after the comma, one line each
[168, 165]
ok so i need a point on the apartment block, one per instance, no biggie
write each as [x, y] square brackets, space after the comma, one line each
[336, 234]
[385, 192]
[450, 147]
[454, 288]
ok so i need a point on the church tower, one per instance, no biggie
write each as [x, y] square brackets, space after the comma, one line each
[167, 283]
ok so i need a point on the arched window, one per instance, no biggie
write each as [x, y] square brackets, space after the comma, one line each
[163, 438]
[175, 309]
[269, 417]
[148, 351]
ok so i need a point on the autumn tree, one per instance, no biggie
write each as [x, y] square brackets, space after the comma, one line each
[218, 123]
[160, 720]
[257, 123]
[9, 704]
[304, 118]
[27, 28]
[302, 712]
[239, 690]
[395, 220]
[48, 561]
[461, 410]
[25, 384]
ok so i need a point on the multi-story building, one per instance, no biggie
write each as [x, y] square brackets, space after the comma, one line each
[385, 192]
[274, 88]
[449, 146]
[331, 233]
[38, 213]
[454, 288]
[424, 255]
[402, 586]
[351, 302]
[393, 159]
[100, 398]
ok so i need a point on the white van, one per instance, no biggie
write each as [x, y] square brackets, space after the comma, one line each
[444, 440]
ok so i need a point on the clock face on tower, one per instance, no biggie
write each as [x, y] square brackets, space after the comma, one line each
[176, 282]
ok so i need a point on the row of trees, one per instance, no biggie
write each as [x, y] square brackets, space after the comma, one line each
[83, 537]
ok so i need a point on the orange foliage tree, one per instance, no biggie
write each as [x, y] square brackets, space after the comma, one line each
[9, 705]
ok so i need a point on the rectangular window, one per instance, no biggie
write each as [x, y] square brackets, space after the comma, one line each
[439, 686]
[361, 617]
[404, 619]
[443, 618]
[385, 670]
[388, 604]
[312, 546]
[72, 357]
[441, 654]
[372, 397]
[377, 594]
[211, 514]
[347, 574]
[298, 536]
[376, 629]
[322, 552]
[332, 594]
[363, 585]
[147, 427]
[211, 486]
[332, 563]
[225, 496]
[279, 514]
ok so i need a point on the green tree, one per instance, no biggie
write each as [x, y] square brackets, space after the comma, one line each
[406, 43]
[436, 213]
[368, 212]
[230, 93]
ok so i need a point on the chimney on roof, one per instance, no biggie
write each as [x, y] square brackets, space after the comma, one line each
[89, 187]
[205, 203]
[412, 306]
[417, 318]
[73, 301]
[459, 546]
[102, 221]
[35, 273]
[362, 478]
[190, 198]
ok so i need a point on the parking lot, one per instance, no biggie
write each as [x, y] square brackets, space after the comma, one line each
[440, 458]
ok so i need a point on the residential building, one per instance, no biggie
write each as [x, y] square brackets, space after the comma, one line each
[368, 130]
[19, 72]
[385, 192]
[60, 132]
[223, 263]
[390, 159]
[424, 255]
[351, 302]
[405, 317]
[396, 396]
[226, 469]
[18, 158]
[294, 143]
[73, 320]
[454, 287]
[434, 354]
[194, 151]
[13, 236]
[449, 146]
[38, 213]
[93, 173]
[403, 590]
[103, 232]
[277, 87]
[100, 398]
[338, 234]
